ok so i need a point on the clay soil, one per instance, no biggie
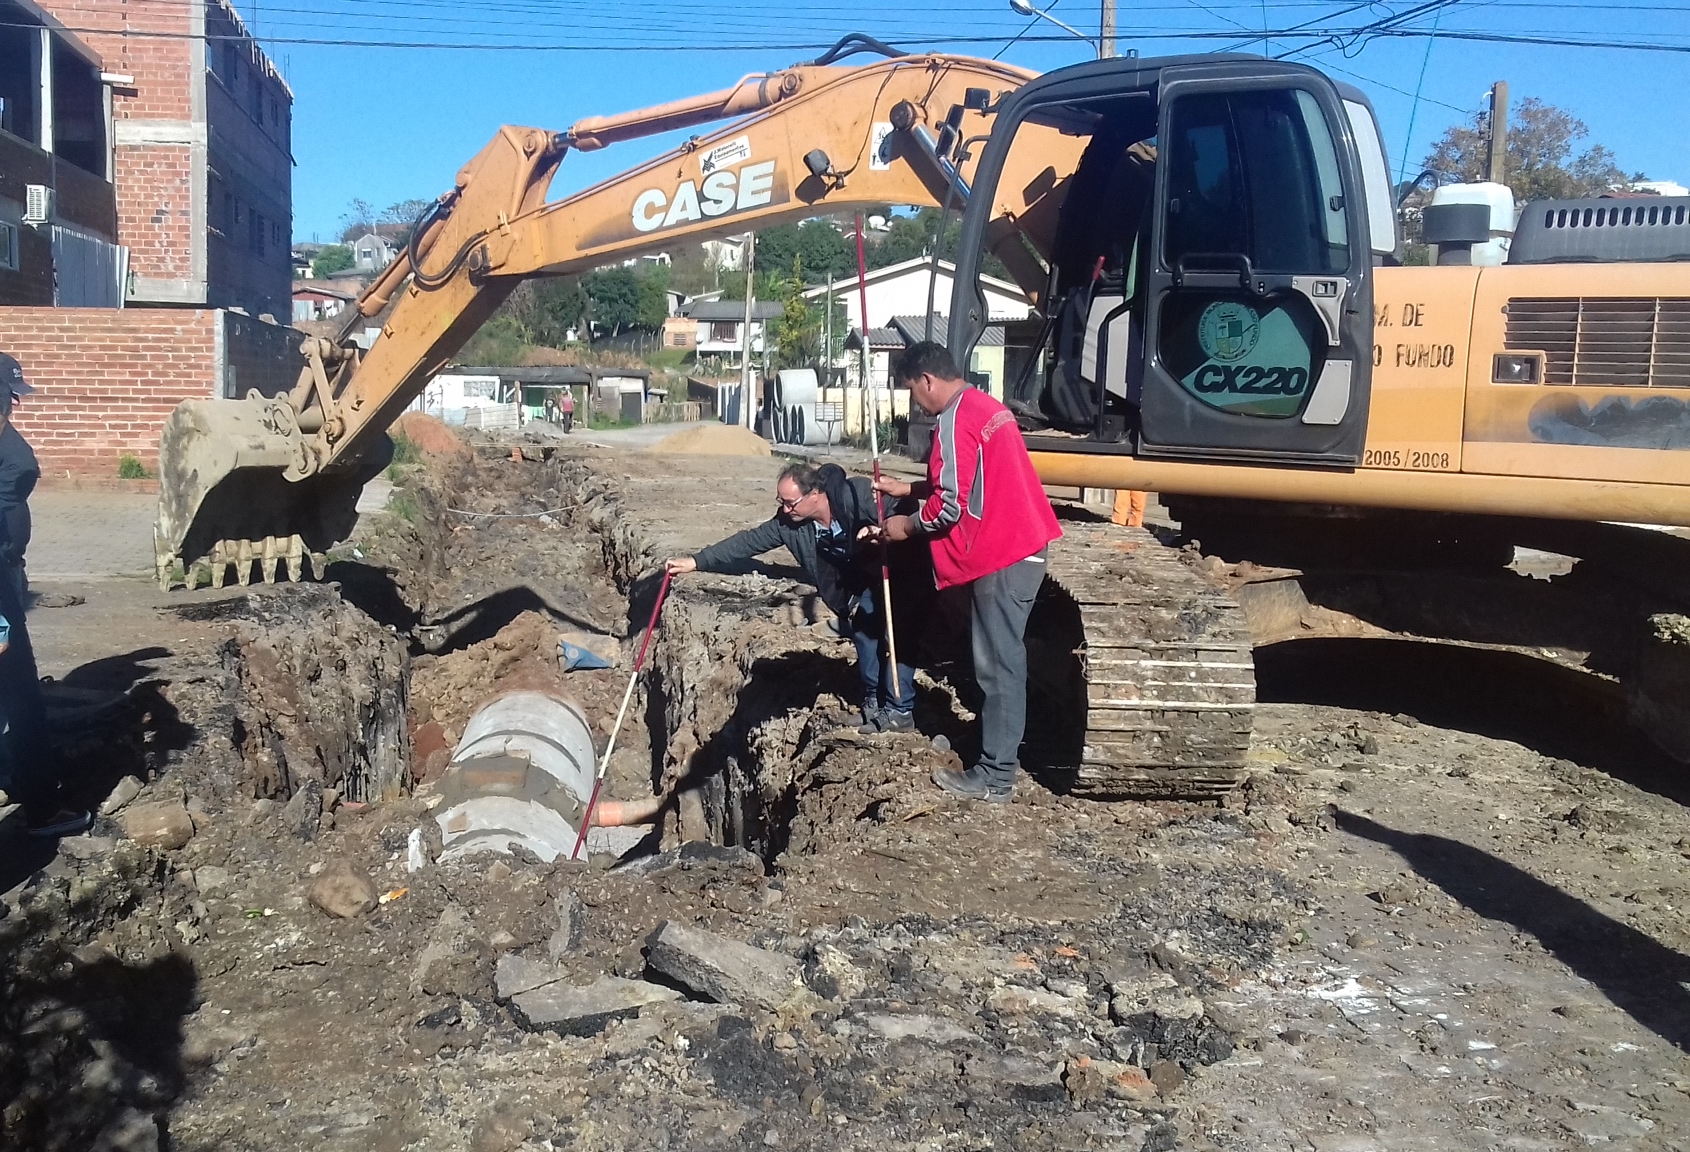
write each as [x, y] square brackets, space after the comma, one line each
[1423, 923]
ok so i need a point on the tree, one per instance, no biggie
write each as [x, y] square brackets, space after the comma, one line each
[653, 297]
[334, 258]
[797, 330]
[359, 218]
[405, 213]
[614, 294]
[1541, 161]
[820, 247]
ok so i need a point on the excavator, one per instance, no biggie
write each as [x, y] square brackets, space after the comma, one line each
[1210, 247]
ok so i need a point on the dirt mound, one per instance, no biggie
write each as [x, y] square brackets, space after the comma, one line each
[714, 440]
[429, 434]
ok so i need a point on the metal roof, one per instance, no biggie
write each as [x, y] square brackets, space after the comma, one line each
[734, 310]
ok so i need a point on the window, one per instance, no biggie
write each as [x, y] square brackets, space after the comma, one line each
[9, 246]
[255, 232]
[1255, 174]
[231, 67]
[276, 235]
[722, 331]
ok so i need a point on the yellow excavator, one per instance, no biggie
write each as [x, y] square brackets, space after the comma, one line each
[1210, 246]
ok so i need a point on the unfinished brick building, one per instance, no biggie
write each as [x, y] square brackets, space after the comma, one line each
[179, 117]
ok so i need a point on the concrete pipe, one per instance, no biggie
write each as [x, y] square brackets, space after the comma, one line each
[521, 776]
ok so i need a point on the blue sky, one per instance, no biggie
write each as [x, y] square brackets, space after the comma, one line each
[391, 123]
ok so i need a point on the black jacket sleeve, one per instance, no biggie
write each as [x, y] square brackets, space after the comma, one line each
[727, 554]
[18, 473]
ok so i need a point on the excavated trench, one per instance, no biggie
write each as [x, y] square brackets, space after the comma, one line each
[973, 972]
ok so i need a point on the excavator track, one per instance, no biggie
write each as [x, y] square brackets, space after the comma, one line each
[1131, 646]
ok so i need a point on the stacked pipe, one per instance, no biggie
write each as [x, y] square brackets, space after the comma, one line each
[792, 410]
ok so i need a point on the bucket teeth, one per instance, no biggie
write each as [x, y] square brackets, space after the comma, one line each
[319, 561]
[267, 560]
[295, 558]
[219, 563]
[243, 562]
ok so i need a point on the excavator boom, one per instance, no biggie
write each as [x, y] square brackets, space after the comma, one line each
[274, 479]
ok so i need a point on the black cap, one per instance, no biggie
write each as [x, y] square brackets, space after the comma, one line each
[11, 376]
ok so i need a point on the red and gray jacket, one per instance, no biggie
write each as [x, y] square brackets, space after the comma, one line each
[985, 508]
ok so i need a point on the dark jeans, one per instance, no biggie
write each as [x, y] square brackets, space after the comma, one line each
[1002, 602]
[568, 421]
[867, 630]
[24, 771]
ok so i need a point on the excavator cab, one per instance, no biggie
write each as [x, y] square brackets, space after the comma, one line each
[1208, 287]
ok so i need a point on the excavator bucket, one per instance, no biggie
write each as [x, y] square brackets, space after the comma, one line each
[228, 496]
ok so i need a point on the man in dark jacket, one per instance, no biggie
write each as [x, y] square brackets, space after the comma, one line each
[24, 756]
[821, 513]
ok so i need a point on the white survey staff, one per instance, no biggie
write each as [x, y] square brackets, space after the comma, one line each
[722, 192]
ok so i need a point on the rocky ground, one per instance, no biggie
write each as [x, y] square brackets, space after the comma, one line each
[1396, 935]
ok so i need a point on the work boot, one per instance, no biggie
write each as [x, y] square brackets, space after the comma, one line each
[866, 720]
[889, 720]
[973, 785]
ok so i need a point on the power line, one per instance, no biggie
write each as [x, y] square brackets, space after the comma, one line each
[933, 40]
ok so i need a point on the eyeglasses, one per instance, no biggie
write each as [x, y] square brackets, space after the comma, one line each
[786, 505]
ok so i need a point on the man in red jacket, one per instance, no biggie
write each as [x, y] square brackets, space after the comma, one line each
[988, 522]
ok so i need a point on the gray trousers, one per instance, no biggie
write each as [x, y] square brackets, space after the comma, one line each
[1002, 602]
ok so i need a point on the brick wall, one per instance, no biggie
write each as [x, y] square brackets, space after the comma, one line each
[154, 182]
[106, 379]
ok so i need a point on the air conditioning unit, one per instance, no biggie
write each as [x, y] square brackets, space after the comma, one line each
[38, 204]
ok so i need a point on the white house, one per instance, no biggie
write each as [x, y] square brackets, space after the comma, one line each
[450, 396]
[718, 326]
[901, 290]
[372, 253]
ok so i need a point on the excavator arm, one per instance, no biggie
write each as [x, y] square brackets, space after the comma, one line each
[275, 479]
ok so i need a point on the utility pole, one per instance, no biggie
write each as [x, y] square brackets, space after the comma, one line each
[1497, 169]
[745, 380]
[1106, 31]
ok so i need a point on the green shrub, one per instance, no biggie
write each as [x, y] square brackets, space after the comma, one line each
[129, 467]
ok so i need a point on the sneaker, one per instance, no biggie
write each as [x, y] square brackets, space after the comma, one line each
[62, 823]
[889, 720]
[972, 785]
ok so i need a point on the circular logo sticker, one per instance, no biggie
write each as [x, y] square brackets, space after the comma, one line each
[1228, 331]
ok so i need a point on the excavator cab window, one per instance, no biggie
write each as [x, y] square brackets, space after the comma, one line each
[1209, 278]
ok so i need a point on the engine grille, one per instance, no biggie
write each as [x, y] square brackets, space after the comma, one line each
[1634, 341]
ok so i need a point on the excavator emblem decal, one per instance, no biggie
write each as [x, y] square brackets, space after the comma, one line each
[723, 191]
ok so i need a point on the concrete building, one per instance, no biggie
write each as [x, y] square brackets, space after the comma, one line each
[201, 156]
[58, 209]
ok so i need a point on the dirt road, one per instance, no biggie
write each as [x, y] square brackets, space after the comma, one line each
[1395, 935]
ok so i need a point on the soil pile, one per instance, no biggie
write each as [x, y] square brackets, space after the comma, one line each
[714, 440]
[429, 434]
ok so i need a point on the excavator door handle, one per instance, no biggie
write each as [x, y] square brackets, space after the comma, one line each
[1218, 276]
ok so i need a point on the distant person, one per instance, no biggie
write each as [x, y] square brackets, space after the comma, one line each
[821, 515]
[988, 523]
[566, 408]
[1129, 508]
[26, 771]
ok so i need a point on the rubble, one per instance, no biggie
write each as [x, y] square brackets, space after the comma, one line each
[343, 890]
[577, 1011]
[121, 794]
[158, 824]
[724, 970]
